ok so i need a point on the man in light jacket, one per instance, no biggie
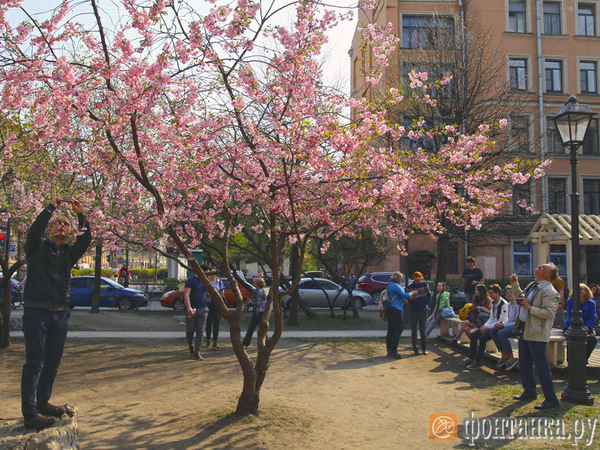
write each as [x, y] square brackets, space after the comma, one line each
[479, 337]
[537, 311]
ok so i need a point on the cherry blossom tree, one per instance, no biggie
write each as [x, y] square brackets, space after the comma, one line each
[197, 118]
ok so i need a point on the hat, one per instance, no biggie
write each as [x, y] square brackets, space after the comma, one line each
[419, 275]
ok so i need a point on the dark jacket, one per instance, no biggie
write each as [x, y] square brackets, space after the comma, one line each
[424, 298]
[49, 267]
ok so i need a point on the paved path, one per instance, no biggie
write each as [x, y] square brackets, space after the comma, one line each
[223, 334]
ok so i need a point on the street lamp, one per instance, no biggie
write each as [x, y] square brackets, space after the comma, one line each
[572, 122]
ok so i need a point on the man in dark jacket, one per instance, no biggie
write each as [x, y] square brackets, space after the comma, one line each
[46, 311]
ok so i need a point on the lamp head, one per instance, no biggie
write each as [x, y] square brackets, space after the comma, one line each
[572, 121]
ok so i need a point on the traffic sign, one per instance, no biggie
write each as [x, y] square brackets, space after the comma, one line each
[12, 248]
[120, 260]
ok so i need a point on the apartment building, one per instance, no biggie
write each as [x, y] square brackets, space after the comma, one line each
[544, 51]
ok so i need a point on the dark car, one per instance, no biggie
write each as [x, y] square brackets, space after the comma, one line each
[112, 294]
[374, 283]
[16, 292]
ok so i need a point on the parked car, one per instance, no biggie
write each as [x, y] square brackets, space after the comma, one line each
[174, 299]
[229, 295]
[374, 283]
[112, 294]
[16, 292]
[311, 291]
[268, 277]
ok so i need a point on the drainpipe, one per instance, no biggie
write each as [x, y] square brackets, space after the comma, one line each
[463, 86]
[540, 60]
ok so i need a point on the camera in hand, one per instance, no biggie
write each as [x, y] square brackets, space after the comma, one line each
[520, 299]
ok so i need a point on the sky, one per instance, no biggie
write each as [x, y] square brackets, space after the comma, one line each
[336, 62]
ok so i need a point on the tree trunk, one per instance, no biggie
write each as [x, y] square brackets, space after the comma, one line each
[442, 262]
[97, 275]
[5, 317]
[294, 262]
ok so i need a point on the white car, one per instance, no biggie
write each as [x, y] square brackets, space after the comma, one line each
[315, 292]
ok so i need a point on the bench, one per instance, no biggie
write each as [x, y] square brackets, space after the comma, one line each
[555, 351]
[455, 322]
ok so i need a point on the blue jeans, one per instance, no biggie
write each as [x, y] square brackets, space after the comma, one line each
[45, 334]
[478, 344]
[501, 338]
[395, 322]
[195, 325]
[418, 318]
[530, 353]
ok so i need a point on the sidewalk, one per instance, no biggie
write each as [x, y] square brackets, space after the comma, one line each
[223, 334]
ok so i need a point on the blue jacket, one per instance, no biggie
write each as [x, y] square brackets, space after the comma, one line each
[588, 314]
[397, 296]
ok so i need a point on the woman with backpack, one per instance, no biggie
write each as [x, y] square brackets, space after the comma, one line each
[395, 317]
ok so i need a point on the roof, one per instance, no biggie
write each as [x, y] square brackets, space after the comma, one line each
[556, 229]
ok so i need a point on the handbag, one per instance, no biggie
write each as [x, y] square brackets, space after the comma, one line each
[447, 312]
[481, 319]
[383, 315]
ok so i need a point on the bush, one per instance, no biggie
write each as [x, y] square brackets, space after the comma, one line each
[173, 284]
[147, 274]
[108, 273]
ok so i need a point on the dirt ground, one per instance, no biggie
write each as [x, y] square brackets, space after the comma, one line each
[318, 393]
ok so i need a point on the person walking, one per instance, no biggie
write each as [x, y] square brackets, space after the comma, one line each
[418, 311]
[124, 276]
[472, 277]
[538, 307]
[213, 320]
[395, 314]
[194, 295]
[46, 308]
[259, 300]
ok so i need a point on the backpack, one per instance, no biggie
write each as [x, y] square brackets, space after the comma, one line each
[384, 300]
[464, 312]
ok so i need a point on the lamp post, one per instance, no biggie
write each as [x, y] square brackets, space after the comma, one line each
[572, 122]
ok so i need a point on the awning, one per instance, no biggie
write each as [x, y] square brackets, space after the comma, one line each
[556, 229]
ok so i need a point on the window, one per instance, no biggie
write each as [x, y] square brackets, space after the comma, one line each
[588, 77]
[591, 196]
[558, 256]
[553, 71]
[518, 74]
[557, 196]
[586, 20]
[516, 16]
[522, 259]
[553, 142]
[591, 142]
[452, 262]
[426, 31]
[79, 282]
[551, 18]
[519, 134]
[521, 199]
[431, 136]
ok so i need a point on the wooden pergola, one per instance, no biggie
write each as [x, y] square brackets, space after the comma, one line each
[553, 229]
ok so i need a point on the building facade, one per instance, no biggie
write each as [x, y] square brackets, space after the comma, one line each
[542, 52]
